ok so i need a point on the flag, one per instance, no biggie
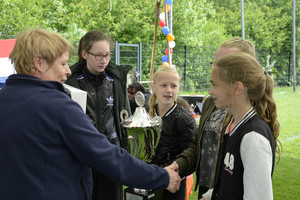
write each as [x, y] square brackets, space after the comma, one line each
[6, 68]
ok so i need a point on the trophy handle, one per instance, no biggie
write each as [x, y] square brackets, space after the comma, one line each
[158, 132]
[157, 128]
[123, 115]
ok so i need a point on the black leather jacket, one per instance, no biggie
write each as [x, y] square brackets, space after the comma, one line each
[97, 91]
[178, 128]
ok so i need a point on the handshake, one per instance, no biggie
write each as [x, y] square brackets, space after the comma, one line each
[174, 183]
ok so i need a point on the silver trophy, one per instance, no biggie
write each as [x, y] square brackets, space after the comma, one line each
[143, 130]
[143, 137]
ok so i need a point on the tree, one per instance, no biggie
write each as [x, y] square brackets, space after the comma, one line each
[197, 24]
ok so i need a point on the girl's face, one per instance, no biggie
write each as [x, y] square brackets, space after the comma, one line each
[166, 88]
[131, 93]
[97, 58]
[218, 92]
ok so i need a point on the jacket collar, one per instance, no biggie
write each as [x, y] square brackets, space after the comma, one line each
[33, 80]
[92, 77]
[246, 117]
[169, 111]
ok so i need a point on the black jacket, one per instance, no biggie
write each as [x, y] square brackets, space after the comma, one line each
[178, 127]
[119, 75]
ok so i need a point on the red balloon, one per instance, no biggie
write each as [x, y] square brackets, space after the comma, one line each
[166, 51]
[162, 23]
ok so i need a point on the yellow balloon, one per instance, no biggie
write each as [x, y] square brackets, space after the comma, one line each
[170, 37]
[165, 63]
[168, 8]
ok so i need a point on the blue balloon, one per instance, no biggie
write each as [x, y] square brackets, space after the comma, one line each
[165, 58]
[169, 2]
[165, 30]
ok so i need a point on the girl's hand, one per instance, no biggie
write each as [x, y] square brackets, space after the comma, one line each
[174, 166]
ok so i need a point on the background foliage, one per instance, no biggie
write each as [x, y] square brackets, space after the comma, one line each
[201, 25]
[197, 23]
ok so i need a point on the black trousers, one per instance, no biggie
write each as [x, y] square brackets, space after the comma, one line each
[105, 188]
[179, 195]
[202, 190]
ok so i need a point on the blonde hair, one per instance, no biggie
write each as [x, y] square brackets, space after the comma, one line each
[162, 69]
[37, 42]
[245, 46]
[243, 67]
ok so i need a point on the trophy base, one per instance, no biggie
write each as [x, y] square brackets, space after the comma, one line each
[130, 194]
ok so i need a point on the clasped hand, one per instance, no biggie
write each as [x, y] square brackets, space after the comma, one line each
[174, 183]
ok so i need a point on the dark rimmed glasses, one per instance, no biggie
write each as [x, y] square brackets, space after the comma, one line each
[100, 56]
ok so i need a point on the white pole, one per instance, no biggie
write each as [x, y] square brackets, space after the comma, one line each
[242, 19]
[171, 31]
[294, 44]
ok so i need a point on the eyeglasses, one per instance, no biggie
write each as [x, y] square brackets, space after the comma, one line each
[131, 92]
[100, 56]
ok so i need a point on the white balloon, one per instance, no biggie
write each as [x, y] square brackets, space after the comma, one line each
[172, 44]
[162, 16]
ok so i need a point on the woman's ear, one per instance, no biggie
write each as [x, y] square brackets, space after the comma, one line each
[37, 62]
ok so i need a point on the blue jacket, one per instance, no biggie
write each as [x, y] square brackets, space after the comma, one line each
[48, 144]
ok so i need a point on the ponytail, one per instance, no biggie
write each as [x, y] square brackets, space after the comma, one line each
[266, 108]
[152, 103]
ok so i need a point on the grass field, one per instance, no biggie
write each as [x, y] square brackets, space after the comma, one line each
[286, 177]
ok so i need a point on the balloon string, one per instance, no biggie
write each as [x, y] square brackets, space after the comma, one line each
[170, 27]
